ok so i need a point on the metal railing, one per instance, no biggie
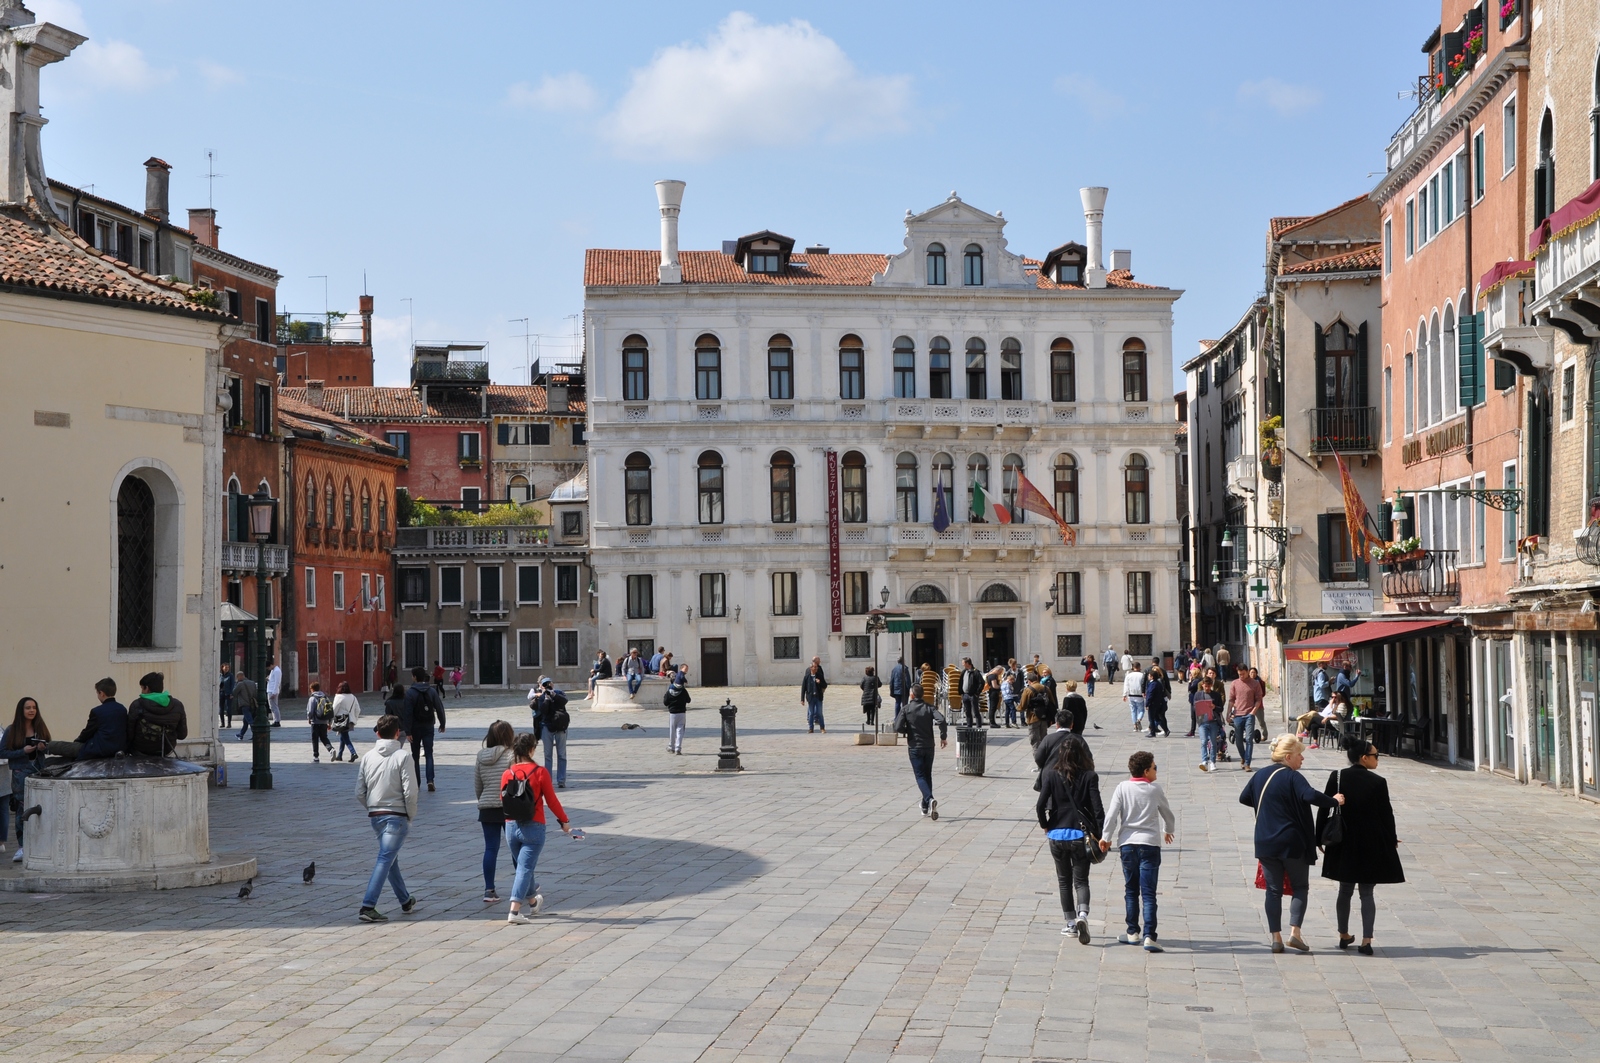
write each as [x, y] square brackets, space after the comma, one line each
[489, 537]
[242, 557]
[1347, 429]
[1433, 575]
[489, 606]
[470, 372]
[332, 327]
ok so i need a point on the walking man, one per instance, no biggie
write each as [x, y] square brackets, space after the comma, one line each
[245, 693]
[899, 685]
[386, 786]
[422, 706]
[1110, 661]
[274, 688]
[1133, 692]
[1244, 695]
[225, 697]
[916, 723]
[813, 685]
[1135, 818]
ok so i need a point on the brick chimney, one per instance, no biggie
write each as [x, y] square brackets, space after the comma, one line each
[314, 392]
[157, 175]
[366, 320]
[203, 223]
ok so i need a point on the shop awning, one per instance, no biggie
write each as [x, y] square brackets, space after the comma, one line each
[1327, 647]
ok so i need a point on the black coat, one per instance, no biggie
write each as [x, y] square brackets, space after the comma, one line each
[870, 698]
[1368, 852]
[1283, 817]
[1074, 702]
[1070, 806]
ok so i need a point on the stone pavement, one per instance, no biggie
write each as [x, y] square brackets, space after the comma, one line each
[803, 910]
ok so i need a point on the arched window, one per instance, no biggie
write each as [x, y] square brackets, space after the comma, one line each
[1135, 381]
[935, 263]
[938, 368]
[905, 488]
[1411, 387]
[977, 369]
[330, 505]
[519, 489]
[944, 485]
[905, 368]
[977, 476]
[238, 531]
[636, 488]
[997, 592]
[1136, 489]
[1449, 362]
[1010, 484]
[635, 369]
[311, 502]
[1544, 175]
[1010, 369]
[972, 265]
[383, 509]
[709, 480]
[707, 367]
[1435, 373]
[853, 488]
[1338, 368]
[1067, 488]
[780, 367]
[782, 487]
[1063, 372]
[136, 564]
[366, 507]
[852, 365]
[349, 505]
[1594, 128]
[926, 594]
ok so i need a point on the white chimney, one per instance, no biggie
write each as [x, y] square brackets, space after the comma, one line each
[1094, 213]
[25, 47]
[1122, 260]
[670, 195]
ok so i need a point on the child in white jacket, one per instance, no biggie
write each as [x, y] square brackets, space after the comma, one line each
[1135, 817]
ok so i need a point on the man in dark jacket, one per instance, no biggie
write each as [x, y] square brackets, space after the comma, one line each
[899, 685]
[225, 697]
[156, 720]
[423, 705]
[972, 684]
[550, 727]
[916, 723]
[245, 693]
[106, 733]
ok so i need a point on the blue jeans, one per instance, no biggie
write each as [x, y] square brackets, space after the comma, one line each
[899, 706]
[634, 679]
[1011, 712]
[1141, 865]
[391, 832]
[422, 745]
[557, 739]
[527, 840]
[922, 768]
[491, 852]
[1244, 737]
[345, 743]
[1136, 708]
[814, 714]
[1210, 740]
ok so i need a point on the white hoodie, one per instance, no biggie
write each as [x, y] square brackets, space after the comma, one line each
[387, 780]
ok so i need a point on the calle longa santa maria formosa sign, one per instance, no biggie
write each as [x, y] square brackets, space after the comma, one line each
[835, 591]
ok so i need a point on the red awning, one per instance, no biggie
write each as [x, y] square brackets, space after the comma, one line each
[1580, 210]
[1501, 272]
[1326, 647]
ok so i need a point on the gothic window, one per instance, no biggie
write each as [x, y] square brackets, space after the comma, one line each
[136, 564]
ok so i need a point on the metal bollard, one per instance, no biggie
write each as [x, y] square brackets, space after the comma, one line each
[728, 756]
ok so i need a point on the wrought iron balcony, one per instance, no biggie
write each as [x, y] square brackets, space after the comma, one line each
[1428, 577]
[1346, 429]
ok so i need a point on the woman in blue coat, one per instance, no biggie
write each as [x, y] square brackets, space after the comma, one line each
[1286, 844]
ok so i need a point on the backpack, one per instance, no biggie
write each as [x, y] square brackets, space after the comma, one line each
[323, 710]
[556, 716]
[419, 706]
[517, 799]
[152, 738]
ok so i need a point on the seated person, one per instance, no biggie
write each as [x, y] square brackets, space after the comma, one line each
[106, 733]
[156, 720]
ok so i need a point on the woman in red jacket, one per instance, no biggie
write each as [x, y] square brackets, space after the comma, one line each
[525, 789]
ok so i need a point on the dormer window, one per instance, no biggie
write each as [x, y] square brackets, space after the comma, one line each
[972, 265]
[763, 262]
[1064, 265]
[763, 252]
[936, 264]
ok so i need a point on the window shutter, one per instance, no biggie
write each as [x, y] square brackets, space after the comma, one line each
[1321, 367]
[1324, 540]
[1467, 358]
[1361, 366]
[1505, 375]
[504, 435]
[1385, 519]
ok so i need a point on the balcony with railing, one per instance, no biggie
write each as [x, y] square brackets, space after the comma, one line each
[485, 538]
[1346, 429]
[1566, 265]
[460, 372]
[1428, 576]
[331, 327]
[242, 557]
[489, 607]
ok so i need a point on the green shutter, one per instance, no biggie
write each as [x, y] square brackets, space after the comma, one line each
[1467, 356]
[1361, 366]
[1325, 532]
[1478, 358]
[1321, 366]
[1505, 375]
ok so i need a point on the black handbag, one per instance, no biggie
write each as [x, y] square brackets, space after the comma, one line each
[1333, 826]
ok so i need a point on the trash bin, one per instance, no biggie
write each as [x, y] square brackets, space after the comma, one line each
[971, 747]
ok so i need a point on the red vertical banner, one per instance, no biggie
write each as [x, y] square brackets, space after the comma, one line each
[835, 591]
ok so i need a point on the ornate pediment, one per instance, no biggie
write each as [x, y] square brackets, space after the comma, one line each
[953, 227]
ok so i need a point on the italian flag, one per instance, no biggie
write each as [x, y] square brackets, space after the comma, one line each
[985, 509]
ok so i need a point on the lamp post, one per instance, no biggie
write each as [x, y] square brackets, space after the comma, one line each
[263, 515]
[877, 625]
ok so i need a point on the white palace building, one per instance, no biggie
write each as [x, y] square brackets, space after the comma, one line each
[769, 432]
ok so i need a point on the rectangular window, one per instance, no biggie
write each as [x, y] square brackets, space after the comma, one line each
[1069, 593]
[450, 585]
[1335, 561]
[855, 593]
[1388, 403]
[1063, 377]
[1508, 519]
[635, 375]
[786, 648]
[1410, 389]
[785, 594]
[263, 420]
[1508, 137]
[366, 592]
[400, 441]
[414, 586]
[858, 647]
[1433, 207]
[566, 584]
[578, 439]
[235, 303]
[1447, 193]
[468, 444]
[850, 373]
[471, 499]
[338, 658]
[530, 647]
[641, 597]
[1479, 530]
[905, 374]
[235, 402]
[381, 596]
[1479, 165]
[572, 522]
[264, 321]
[523, 435]
[1411, 227]
[338, 590]
[713, 594]
[450, 649]
[1388, 246]
[939, 374]
[1568, 384]
[780, 373]
[566, 648]
[1069, 647]
[1138, 592]
[1422, 215]
[527, 584]
[311, 588]
[1142, 645]
[414, 650]
[313, 657]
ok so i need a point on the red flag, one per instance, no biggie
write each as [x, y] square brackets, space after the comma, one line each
[1355, 515]
[1031, 499]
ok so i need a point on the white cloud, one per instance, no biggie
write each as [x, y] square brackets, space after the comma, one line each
[555, 92]
[217, 76]
[64, 13]
[98, 65]
[750, 85]
[1096, 100]
[1281, 96]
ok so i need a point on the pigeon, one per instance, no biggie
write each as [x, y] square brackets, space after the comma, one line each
[309, 873]
[633, 727]
[244, 891]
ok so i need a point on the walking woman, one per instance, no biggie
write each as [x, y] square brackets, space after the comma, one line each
[1285, 844]
[525, 824]
[870, 698]
[493, 760]
[23, 745]
[1069, 809]
[346, 711]
[1368, 853]
[1157, 692]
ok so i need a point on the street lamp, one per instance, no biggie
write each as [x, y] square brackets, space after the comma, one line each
[1227, 540]
[883, 598]
[263, 516]
[1216, 573]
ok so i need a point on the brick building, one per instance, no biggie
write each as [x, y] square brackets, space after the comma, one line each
[329, 347]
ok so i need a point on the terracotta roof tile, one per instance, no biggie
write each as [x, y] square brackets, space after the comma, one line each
[42, 254]
[1360, 260]
[1117, 278]
[1283, 225]
[1277, 226]
[604, 268]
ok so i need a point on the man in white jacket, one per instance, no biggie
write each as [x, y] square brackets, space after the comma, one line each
[386, 786]
[1133, 692]
[274, 689]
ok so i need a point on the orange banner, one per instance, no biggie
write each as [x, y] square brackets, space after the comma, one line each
[1033, 500]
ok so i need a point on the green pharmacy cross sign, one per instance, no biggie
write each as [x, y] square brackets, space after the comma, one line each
[1258, 589]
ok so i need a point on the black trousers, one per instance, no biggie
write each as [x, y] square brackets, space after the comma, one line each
[1072, 877]
[1156, 717]
[971, 713]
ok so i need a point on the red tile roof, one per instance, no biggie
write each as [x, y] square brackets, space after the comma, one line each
[1283, 225]
[41, 254]
[404, 404]
[1361, 260]
[1277, 225]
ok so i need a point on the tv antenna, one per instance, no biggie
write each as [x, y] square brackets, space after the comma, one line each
[211, 179]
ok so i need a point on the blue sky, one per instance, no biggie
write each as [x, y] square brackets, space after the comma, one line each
[463, 154]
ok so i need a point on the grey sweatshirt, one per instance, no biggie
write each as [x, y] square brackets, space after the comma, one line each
[388, 780]
[1137, 811]
[487, 772]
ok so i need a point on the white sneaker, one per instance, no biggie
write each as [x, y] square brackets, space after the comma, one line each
[536, 905]
[924, 808]
[17, 859]
[517, 918]
[1130, 939]
[1069, 930]
[933, 810]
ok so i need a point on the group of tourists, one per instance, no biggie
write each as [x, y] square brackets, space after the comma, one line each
[635, 667]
